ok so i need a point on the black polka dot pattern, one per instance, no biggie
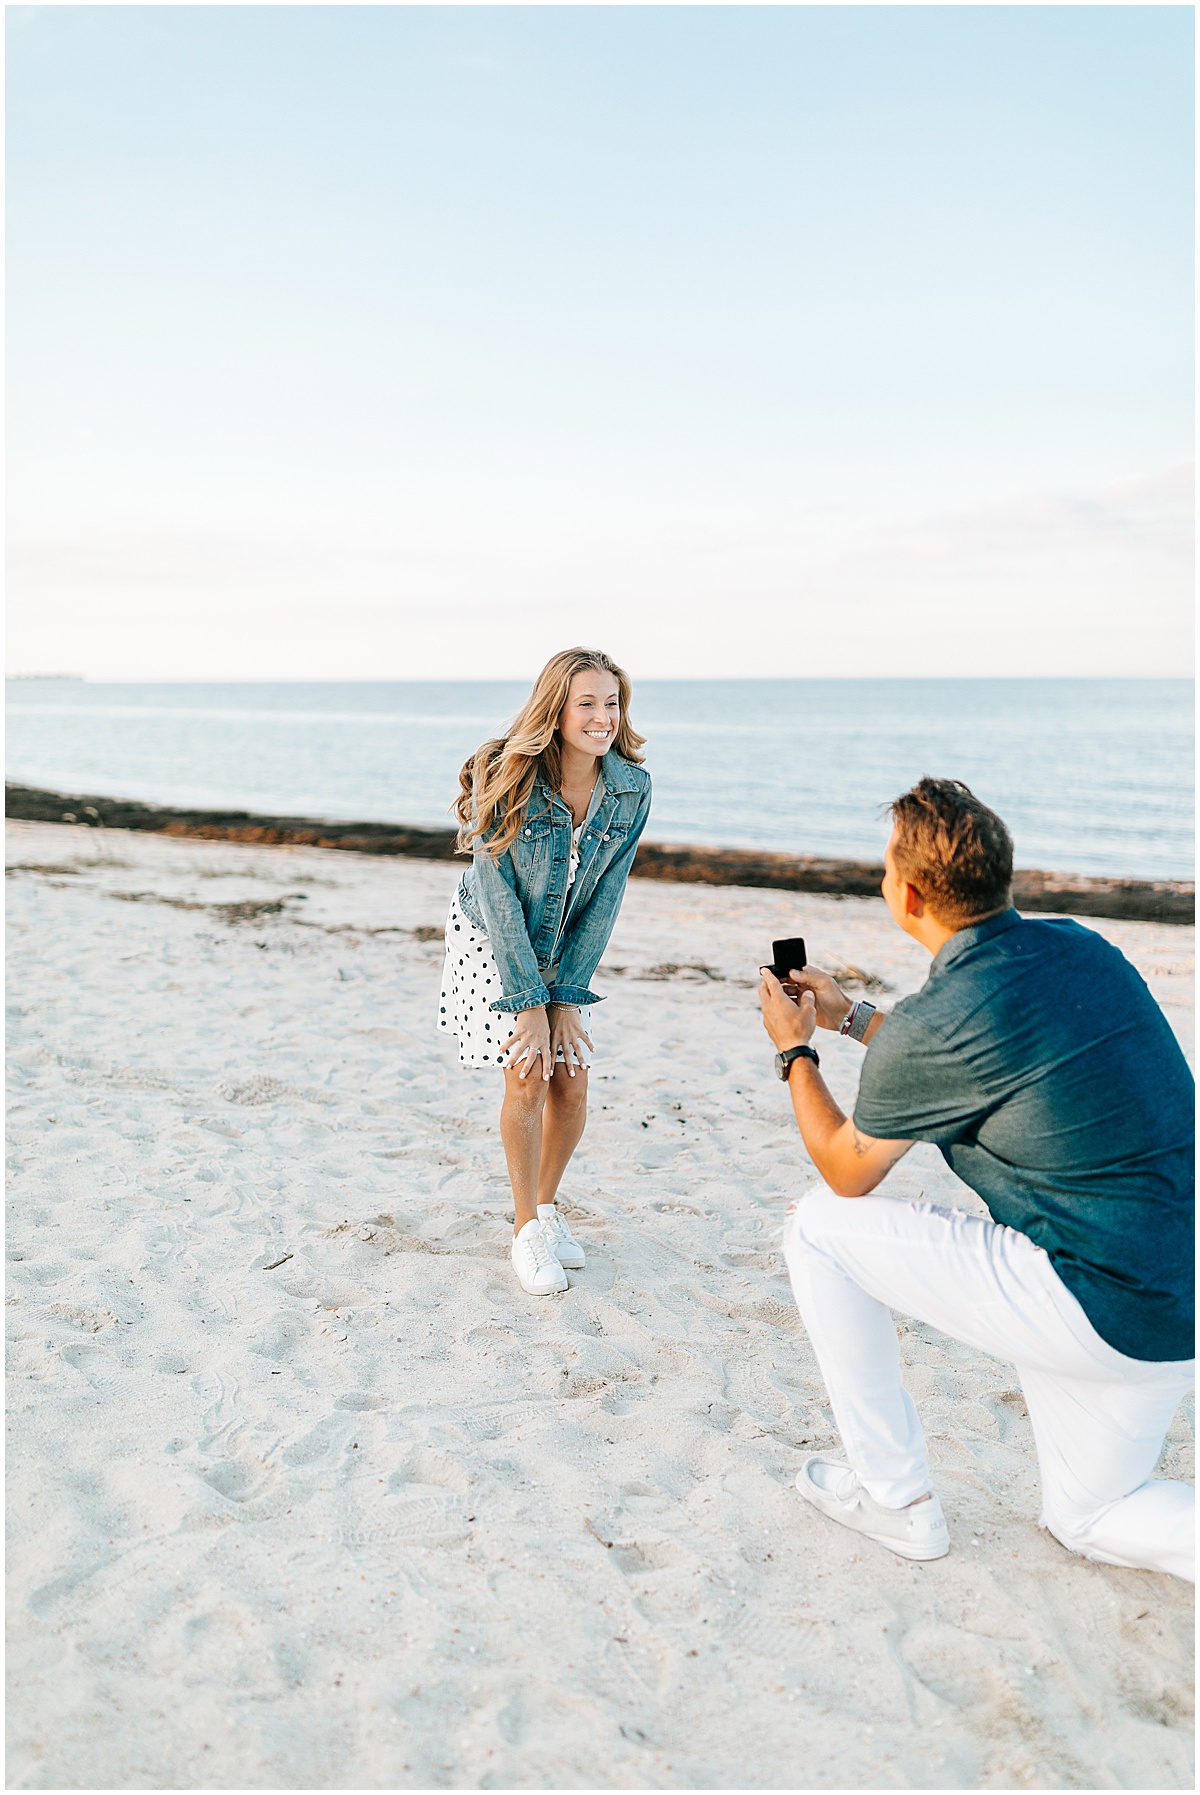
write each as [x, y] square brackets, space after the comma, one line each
[470, 982]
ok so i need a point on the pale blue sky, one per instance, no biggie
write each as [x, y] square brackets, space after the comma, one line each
[406, 341]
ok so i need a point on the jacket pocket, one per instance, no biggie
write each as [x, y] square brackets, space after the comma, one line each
[532, 848]
[610, 841]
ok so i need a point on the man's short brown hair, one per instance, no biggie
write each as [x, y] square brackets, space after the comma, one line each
[953, 850]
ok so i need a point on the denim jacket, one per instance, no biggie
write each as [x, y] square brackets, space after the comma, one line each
[547, 939]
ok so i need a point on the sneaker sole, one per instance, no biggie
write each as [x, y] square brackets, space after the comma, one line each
[902, 1551]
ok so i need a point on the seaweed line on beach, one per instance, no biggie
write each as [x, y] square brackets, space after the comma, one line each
[1148, 900]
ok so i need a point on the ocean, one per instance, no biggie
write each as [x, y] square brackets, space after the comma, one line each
[1092, 776]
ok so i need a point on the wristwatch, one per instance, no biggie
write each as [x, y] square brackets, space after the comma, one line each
[784, 1060]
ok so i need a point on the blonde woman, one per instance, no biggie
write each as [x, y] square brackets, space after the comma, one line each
[551, 814]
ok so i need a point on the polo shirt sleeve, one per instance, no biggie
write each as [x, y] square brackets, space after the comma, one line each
[914, 1088]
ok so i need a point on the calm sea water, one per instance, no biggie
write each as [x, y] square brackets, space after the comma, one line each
[1090, 775]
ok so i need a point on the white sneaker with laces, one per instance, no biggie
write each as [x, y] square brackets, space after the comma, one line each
[559, 1238]
[918, 1531]
[538, 1271]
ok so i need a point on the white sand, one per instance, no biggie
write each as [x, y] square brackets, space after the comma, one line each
[372, 1518]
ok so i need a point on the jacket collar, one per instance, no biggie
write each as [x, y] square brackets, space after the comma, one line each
[616, 773]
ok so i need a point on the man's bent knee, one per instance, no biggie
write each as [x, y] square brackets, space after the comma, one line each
[1153, 1528]
[808, 1219]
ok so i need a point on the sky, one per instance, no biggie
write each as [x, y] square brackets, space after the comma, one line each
[419, 342]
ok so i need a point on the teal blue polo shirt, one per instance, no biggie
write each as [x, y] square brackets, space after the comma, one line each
[1036, 1060]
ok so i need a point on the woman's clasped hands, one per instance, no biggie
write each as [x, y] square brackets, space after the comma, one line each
[539, 1034]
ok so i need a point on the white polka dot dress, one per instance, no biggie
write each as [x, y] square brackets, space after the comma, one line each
[470, 983]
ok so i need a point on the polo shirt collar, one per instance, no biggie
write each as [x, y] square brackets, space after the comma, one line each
[970, 937]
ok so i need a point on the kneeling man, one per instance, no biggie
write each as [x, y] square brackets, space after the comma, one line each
[1036, 1059]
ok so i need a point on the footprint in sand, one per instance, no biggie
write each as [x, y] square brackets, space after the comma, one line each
[92, 1363]
[238, 1480]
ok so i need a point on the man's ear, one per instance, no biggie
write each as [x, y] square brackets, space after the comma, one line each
[914, 903]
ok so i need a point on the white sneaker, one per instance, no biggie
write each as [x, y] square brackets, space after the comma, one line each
[915, 1532]
[559, 1238]
[538, 1270]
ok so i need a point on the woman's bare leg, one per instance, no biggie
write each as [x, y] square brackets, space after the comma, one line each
[521, 1132]
[562, 1129]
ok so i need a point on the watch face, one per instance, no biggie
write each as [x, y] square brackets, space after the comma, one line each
[781, 1067]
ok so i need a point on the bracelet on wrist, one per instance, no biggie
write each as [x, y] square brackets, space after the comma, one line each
[857, 1020]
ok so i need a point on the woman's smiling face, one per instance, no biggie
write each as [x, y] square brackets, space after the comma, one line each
[588, 720]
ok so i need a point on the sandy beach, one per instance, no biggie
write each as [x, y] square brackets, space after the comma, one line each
[305, 1493]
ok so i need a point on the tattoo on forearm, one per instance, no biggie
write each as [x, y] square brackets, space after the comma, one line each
[861, 1148]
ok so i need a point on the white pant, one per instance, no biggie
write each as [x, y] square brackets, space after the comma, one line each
[1099, 1418]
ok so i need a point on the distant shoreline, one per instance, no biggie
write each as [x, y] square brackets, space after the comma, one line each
[1070, 894]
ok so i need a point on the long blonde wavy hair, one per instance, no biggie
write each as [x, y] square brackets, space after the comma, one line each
[497, 782]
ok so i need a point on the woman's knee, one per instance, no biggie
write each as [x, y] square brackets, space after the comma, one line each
[567, 1095]
[524, 1096]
